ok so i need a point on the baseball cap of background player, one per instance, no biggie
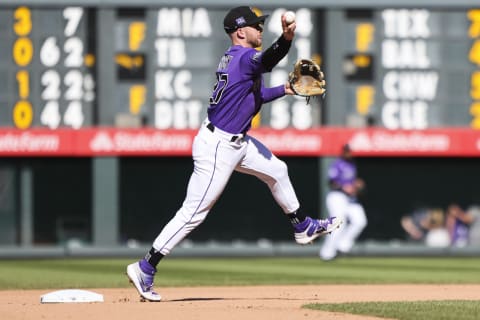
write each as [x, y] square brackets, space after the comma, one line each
[346, 151]
[241, 17]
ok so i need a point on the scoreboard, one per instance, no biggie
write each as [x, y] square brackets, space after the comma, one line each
[153, 67]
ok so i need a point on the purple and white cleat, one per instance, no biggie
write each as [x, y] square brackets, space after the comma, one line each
[310, 229]
[141, 275]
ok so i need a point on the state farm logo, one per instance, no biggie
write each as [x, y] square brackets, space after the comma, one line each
[102, 142]
[360, 141]
[29, 142]
[400, 141]
[124, 141]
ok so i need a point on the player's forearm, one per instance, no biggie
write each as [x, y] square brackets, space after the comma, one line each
[269, 94]
[275, 53]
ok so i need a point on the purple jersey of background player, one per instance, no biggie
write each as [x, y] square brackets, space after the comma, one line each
[342, 172]
[234, 103]
[460, 233]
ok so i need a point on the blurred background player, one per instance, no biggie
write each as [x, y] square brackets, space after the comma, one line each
[342, 202]
[463, 225]
[222, 144]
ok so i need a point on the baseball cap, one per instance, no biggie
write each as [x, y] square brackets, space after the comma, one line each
[346, 148]
[241, 17]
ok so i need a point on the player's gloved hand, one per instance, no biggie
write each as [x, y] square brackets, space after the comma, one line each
[307, 79]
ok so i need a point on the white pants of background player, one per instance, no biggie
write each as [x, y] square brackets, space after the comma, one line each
[354, 221]
[215, 158]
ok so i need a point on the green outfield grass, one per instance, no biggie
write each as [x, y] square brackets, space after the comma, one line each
[424, 310]
[99, 273]
[109, 273]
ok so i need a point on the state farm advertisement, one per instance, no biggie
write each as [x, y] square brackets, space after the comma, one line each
[147, 142]
[32, 143]
[326, 141]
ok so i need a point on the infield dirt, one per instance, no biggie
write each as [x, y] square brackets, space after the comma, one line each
[232, 303]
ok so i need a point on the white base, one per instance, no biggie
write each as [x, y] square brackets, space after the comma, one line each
[71, 296]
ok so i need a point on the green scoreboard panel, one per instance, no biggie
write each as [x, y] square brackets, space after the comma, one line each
[184, 48]
[414, 68]
[46, 77]
[428, 67]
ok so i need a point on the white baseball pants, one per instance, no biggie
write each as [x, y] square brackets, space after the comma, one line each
[215, 158]
[354, 221]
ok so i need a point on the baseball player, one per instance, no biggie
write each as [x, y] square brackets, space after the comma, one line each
[342, 203]
[222, 144]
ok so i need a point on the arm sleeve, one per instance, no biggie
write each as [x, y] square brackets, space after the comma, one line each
[269, 94]
[275, 53]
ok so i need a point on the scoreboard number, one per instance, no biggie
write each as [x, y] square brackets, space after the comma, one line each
[23, 21]
[23, 80]
[74, 49]
[22, 53]
[50, 52]
[73, 15]
[51, 82]
[50, 115]
[74, 115]
[23, 114]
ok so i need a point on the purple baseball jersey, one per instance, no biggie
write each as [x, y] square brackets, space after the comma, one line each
[460, 233]
[239, 91]
[342, 172]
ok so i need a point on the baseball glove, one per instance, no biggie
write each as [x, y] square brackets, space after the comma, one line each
[306, 79]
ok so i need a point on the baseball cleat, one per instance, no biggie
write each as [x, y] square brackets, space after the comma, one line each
[141, 275]
[310, 229]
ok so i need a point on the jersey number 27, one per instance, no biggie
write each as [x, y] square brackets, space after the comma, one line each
[220, 85]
